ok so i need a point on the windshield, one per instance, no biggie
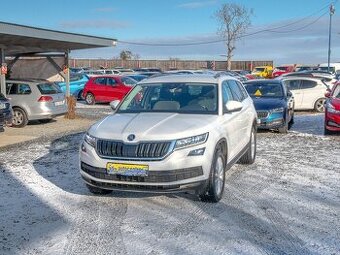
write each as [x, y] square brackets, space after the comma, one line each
[336, 92]
[325, 69]
[195, 98]
[259, 69]
[264, 89]
[49, 88]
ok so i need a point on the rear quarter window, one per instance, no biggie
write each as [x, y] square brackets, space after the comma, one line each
[48, 88]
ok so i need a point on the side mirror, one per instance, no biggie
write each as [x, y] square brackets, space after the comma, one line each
[233, 106]
[289, 93]
[328, 94]
[114, 104]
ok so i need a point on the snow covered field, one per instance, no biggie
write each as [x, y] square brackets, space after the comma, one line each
[288, 202]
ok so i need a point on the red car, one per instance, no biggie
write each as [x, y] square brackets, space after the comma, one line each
[332, 110]
[279, 70]
[106, 88]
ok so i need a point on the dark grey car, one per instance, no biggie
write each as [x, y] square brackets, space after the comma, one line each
[5, 112]
[35, 100]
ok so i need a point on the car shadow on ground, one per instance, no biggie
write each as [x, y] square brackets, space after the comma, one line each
[60, 166]
[25, 218]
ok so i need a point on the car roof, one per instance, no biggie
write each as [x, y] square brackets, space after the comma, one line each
[29, 80]
[263, 81]
[195, 78]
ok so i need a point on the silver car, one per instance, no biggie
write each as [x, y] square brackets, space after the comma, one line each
[35, 100]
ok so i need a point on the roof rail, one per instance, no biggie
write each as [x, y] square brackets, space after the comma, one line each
[219, 74]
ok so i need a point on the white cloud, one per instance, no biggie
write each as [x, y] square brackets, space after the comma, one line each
[196, 5]
[103, 23]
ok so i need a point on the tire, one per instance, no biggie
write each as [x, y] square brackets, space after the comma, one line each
[291, 122]
[250, 155]
[19, 118]
[213, 192]
[327, 132]
[284, 129]
[44, 121]
[319, 105]
[90, 99]
[80, 95]
[98, 191]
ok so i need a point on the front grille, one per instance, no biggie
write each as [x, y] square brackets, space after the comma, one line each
[141, 151]
[262, 114]
[153, 176]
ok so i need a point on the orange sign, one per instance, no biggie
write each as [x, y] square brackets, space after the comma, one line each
[4, 69]
[65, 67]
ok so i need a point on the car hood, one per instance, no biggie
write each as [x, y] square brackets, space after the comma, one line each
[152, 126]
[262, 103]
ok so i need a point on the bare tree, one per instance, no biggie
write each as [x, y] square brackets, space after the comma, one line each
[125, 55]
[234, 19]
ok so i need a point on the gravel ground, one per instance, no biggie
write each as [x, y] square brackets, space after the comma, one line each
[288, 202]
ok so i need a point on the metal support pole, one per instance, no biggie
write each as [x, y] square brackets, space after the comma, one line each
[67, 74]
[2, 76]
[331, 12]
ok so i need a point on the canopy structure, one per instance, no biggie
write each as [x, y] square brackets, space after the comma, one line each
[18, 40]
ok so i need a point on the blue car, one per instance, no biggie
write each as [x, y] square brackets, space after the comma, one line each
[274, 104]
[77, 83]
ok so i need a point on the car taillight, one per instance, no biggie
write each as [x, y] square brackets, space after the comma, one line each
[45, 99]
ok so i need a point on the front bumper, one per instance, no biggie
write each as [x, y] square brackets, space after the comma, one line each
[332, 121]
[177, 172]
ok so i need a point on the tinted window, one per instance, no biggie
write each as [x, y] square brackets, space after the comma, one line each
[111, 81]
[48, 88]
[292, 84]
[18, 89]
[226, 93]
[244, 91]
[100, 81]
[236, 91]
[308, 84]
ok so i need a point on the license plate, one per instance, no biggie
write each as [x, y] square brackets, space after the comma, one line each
[59, 103]
[127, 169]
[2, 106]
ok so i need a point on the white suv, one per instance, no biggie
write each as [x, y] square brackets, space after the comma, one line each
[172, 133]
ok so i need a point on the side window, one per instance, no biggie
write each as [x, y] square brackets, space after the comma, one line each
[100, 81]
[306, 84]
[111, 81]
[11, 88]
[226, 93]
[236, 91]
[293, 84]
[24, 89]
[244, 91]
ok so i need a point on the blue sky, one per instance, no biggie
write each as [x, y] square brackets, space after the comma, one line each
[161, 21]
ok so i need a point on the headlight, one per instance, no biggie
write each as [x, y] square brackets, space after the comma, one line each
[331, 108]
[90, 140]
[190, 141]
[280, 109]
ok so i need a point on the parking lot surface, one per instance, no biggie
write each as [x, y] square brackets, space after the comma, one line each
[288, 202]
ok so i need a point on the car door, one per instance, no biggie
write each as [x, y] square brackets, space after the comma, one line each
[232, 122]
[294, 86]
[311, 92]
[99, 89]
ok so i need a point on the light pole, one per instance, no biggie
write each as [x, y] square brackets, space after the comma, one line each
[331, 12]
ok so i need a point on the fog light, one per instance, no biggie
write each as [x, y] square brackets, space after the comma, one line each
[83, 148]
[197, 152]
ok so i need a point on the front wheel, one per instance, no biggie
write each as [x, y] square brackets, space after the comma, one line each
[249, 157]
[214, 191]
[320, 105]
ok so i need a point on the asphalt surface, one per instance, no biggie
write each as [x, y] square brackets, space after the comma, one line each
[287, 202]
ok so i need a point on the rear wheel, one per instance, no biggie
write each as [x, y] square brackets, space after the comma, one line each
[249, 157]
[214, 191]
[19, 118]
[89, 98]
[98, 191]
[320, 105]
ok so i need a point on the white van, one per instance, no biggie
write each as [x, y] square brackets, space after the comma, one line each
[334, 68]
